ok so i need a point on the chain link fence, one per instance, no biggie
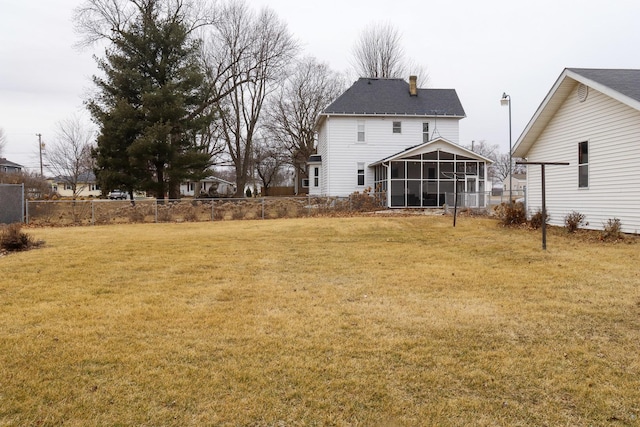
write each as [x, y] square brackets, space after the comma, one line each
[98, 212]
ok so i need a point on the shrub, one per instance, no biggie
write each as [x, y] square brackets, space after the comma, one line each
[511, 214]
[612, 230]
[537, 219]
[365, 201]
[13, 239]
[573, 221]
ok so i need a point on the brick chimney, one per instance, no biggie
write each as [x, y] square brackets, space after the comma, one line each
[413, 85]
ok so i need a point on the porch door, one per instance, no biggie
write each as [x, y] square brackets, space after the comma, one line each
[471, 191]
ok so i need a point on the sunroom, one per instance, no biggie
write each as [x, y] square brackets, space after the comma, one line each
[432, 175]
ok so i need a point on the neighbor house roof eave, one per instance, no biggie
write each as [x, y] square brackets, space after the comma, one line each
[554, 100]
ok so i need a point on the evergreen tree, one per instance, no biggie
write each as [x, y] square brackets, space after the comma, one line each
[150, 105]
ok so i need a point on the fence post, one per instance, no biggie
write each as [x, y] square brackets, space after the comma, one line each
[263, 208]
[156, 204]
[213, 202]
[93, 213]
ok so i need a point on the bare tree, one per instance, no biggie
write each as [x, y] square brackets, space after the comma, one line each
[3, 142]
[35, 186]
[293, 111]
[69, 157]
[268, 160]
[501, 166]
[264, 48]
[379, 53]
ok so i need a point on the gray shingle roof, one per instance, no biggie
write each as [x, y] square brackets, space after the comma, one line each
[391, 96]
[626, 82]
[5, 162]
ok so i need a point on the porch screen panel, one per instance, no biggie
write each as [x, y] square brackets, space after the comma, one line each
[413, 193]
[398, 193]
[430, 193]
[445, 187]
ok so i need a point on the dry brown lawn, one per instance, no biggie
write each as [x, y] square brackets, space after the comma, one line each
[319, 322]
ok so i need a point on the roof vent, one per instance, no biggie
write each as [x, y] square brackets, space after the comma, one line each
[583, 92]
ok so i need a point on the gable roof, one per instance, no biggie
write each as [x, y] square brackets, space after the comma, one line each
[373, 96]
[619, 84]
[5, 162]
[83, 177]
[423, 148]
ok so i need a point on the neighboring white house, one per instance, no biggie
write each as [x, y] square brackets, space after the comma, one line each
[590, 119]
[86, 186]
[211, 186]
[518, 184]
[388, 135]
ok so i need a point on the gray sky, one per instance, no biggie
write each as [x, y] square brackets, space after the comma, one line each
[480, 48]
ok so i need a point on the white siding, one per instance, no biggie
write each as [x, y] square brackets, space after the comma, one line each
[338, 146]
[613, 132]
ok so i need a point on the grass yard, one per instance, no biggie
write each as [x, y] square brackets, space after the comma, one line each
[363, 321]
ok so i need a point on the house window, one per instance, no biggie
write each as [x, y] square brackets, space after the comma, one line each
[360, 173]
[425, 132]
[583, 164]
[316, 176]
[360, 130]
[305, 183]
[397, 127]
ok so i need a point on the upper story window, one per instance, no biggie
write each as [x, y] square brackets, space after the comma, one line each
[425, 132]
[583, 164]
[397, 127]
[360, 131]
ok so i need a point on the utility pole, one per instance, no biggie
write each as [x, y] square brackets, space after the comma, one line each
[39, 135]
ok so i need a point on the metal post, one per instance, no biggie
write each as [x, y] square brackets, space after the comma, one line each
[510, 157]
[506, 100]
[455, 200]
[263, 208]
[544, 211]
[544, 195]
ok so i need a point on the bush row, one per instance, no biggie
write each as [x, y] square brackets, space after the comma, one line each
[514, 215]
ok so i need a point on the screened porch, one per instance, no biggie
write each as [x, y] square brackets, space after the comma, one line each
[433, 179]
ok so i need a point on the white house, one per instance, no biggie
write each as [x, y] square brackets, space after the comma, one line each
[402, 141]
[590, 119]
[211, 186]
[86, 185]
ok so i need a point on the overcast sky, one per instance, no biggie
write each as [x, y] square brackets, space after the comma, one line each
[480, 48]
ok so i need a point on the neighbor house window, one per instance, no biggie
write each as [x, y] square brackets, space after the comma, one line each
[360, 130]
[583, 164]
[360, 173]
[305, 183]
[397, 127]
[425, 132]
[316, 176]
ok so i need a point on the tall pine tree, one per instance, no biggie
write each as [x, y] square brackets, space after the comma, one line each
[150, 105]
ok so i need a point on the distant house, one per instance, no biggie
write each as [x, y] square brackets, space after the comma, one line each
[7, 166]
[210, 187]
[590, 119]
[401, 141]
[86, 186]
[518, 184]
